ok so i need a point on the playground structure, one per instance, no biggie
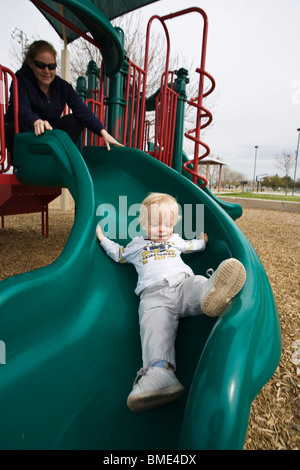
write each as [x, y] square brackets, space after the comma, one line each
[64, 351]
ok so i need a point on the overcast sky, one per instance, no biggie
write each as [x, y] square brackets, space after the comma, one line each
[253, 54]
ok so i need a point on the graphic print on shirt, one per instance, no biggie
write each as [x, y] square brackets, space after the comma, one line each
[157, 252]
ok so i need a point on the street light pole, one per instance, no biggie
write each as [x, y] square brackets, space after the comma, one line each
[256, 147]
[298, 130]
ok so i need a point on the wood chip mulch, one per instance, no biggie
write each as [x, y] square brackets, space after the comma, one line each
[275, 413]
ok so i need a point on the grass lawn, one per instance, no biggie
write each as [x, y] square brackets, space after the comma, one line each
[254, 195]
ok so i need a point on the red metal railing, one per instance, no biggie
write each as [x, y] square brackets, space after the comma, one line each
[165, 117]
[201, 112]
[97, 108]
[5, 73]
[134, 111]
[165, 105]
[129, 127]
[135, 129]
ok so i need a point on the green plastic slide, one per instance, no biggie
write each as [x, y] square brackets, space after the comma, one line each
[71, 328]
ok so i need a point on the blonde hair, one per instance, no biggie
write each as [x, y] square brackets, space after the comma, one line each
[164, 201]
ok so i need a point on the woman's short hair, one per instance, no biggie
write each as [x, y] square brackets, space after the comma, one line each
[36, 47]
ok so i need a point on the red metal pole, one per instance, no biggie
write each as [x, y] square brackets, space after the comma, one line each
[143, 107]
[2, 112]
[161, 138]
[4, 72]
[201, 94]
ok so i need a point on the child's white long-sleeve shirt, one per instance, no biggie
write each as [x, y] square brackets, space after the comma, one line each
[154, 261]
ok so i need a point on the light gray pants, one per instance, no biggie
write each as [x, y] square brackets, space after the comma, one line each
[161, 307]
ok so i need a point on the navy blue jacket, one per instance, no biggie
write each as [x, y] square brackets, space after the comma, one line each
[34, 104]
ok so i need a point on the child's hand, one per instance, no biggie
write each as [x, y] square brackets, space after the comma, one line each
[99, 234]
[203, 236]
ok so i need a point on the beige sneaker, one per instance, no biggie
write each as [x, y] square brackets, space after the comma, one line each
[157, 387]
[222, 286]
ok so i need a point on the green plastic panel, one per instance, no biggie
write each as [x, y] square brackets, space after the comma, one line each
[71, 328]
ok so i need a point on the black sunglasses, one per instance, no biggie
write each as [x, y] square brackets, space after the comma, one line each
[42, 65]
